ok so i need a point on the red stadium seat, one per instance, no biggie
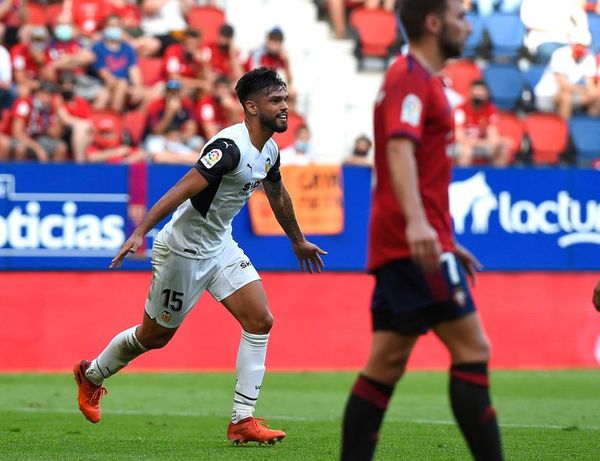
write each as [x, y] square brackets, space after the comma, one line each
[109, 122]
[208, 19]
[135, 123]
[287, 138]
[461, 74]
[548, 134]
[511, 127]
[151, 70]
[376, 29]
[36, 14]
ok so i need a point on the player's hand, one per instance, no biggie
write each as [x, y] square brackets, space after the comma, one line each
[424, 244]
[309, 255]
[130, 246]
[469, 261]
[596, 298]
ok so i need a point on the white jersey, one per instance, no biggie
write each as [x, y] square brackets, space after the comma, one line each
[201, 226]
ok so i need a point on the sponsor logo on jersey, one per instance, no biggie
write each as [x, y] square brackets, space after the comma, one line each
[212, 158]
[412, 107]
[245, 264]
[577, 221]
[166, 316]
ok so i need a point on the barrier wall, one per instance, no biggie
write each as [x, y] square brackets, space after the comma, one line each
[75, 217]
[53, 319]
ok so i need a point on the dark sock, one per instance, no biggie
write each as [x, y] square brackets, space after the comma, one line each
[470, 399]
[362, 418]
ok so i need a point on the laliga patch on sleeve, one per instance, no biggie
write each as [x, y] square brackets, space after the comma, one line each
[212, 158]
[411, 110]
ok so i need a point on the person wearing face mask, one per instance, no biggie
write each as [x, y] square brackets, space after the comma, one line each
[116, 65]
[29, 61]
[272, 55]
[360, 152]
[477, 136]
[224, 56]
[66, 52]
[185, 62]
[300, 152]
[569, 82]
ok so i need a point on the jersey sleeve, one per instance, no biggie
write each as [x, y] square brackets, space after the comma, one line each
[405, 108]
[274, 175]
[218, 158]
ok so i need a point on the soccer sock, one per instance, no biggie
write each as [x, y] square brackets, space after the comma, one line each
[250, 367]
[470, 399]
[364, 413]
[120, 351]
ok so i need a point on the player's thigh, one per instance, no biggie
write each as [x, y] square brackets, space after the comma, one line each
[250, 308]
[389, 354]
[177, 283]
[464, 338]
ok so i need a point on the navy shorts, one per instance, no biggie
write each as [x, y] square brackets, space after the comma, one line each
[408, 301]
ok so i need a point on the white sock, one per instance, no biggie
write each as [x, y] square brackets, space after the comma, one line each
[250, 367]
[120, 351]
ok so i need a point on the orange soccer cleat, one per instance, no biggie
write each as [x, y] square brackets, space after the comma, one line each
[88, 394]
[253, 430]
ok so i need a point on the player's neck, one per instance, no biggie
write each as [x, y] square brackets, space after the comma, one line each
[258, 135]
[428, 55]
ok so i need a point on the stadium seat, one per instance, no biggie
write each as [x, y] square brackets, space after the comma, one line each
[377, 32]
[511, 127]
[476, 37]
[506, 85]
[151, 70]
[533, 75]
[208, 19]
[506, 32]
[53, 11]
[548, 135]
[286, 138]
[100, 119]
[36, 14]
[585, 132]
[135, 124]
[461, 74]
[594, 26]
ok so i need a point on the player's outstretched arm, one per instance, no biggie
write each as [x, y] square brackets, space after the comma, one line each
[188, 186]
[307, 253]
[596, 298]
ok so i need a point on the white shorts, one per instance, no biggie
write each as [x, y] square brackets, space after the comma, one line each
[178, 282]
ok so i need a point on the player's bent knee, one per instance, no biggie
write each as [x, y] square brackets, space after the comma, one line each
[259, 325]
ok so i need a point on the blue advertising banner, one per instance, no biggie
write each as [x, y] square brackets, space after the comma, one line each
[61, 216]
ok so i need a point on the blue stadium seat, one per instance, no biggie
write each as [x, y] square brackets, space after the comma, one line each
[476, 37]
[506, 85]
[594, 25]
[506, 32]
[585, 132]
[533, 75]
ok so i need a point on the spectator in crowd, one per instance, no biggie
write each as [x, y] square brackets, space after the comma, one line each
[487, 7]
[172, 129]
[224, 57]
[186, 62]
[29, 61]
[162, 21]
[550, 24]
[4, 147]
[6, 87]
[108, 145]
[360, 152]
[477, 130]
[219, 109]
[116, 65]
[299, 153]
[66, 53]
[34, 125]
[272, 55]
[130, 14]
[74, 113]
[569, 82]
[12, 18]
[88, 16]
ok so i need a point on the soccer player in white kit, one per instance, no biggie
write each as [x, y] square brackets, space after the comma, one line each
[195, 251]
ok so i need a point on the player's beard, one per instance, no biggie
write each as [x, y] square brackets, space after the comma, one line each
[271, 124]
[450, 48]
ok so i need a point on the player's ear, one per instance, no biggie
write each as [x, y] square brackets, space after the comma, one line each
[433, 23]
[251, 107]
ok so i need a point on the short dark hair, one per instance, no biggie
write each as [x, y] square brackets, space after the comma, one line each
[226, 30]
[414, 12]
[479, 82]
[261, 79]
[192, 33]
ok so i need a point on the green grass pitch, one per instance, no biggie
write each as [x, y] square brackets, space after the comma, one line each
[544, 416]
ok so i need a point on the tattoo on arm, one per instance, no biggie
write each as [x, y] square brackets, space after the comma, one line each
[281, 204]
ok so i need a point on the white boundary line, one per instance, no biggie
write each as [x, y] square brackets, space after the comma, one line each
[194, 414]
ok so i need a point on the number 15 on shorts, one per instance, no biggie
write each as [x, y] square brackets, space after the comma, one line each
[172, 299]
